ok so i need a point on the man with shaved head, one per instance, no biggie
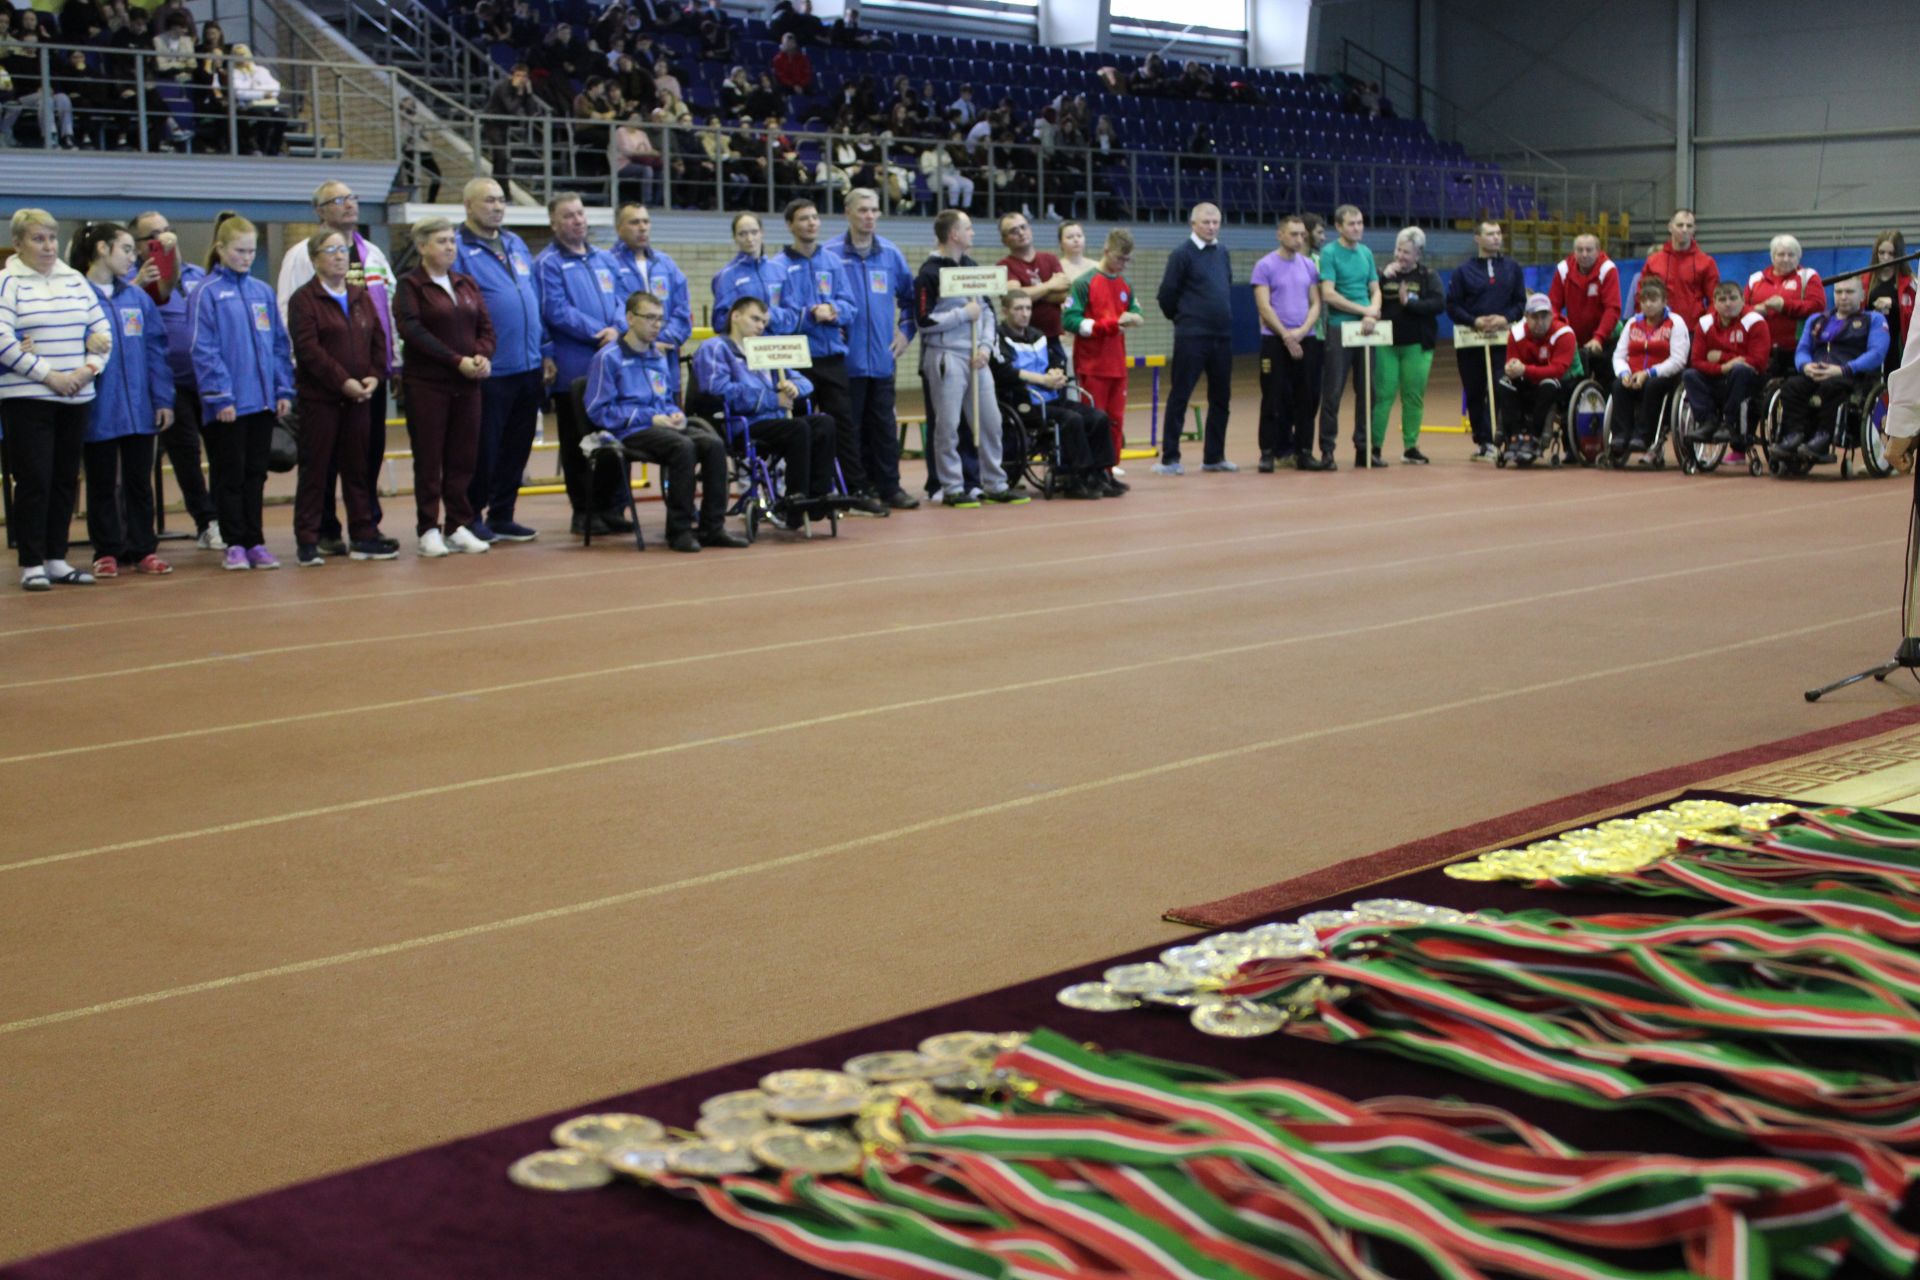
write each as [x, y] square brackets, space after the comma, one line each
[1196, 293]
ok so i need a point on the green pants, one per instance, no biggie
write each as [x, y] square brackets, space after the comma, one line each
[1400, 371]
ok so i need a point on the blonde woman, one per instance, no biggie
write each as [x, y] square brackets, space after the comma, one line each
[54, 340]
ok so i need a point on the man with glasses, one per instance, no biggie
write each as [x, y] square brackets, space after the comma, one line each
[170, 281]
[1036, 272]
[338, 209]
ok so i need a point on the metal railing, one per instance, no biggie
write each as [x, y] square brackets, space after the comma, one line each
[408, 35]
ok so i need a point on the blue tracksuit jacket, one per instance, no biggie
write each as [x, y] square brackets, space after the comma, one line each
[720, 368]
[806, 283]
[512, 298]
[241, 354]
[871, 277]
[625, 388]
[663, 278]
[579, 296]
[138, 379]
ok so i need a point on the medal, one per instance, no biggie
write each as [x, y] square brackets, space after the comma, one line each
[599, 1133]
[563, 1170]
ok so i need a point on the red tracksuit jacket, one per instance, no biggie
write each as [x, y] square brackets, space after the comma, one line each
[1745, 337]
[1805, 296]
[1548, 358]
[1589, 300]
[1689, 277]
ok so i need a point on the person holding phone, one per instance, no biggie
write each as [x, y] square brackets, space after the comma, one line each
[170, 281]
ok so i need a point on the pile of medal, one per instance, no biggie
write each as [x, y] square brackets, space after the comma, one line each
[1622, 844]
[808, 1120]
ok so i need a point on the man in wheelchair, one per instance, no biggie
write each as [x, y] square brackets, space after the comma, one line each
[761, 401]
[1835, 351]
[1030, 377]
[630, 400]
[1730, 348]
[1647, 361]
[1540, 351]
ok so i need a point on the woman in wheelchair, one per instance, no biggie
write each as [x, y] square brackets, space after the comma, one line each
[1647, 361]
[1835, 352]
[759, 403]
[1030, 377]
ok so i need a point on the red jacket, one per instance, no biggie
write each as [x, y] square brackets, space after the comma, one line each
[1589, 300]
[1646, 348]
[1805, 296]
[1745, 338]
[793, 70]
[1547, 359]
[1689, 277]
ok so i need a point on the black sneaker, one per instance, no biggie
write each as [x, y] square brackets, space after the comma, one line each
[1306, 462]
[331, 547]
[1116, 486]
[615, 522]
[1266, 463]
[865, 504]
[1817, 447]
[1787, 446]
[901, 500]
[1415, 457]
[721, 538]
[1639, 444]
[1006, 497]
[684, 541]
[1327, 463]
[307, 556]
[1079, 489]
[375, 549]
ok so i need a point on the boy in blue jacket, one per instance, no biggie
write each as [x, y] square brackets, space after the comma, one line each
[762, 401]
[132, 402]
[630, 386]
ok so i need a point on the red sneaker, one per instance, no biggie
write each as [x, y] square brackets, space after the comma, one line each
[153, 564]
[106, 567]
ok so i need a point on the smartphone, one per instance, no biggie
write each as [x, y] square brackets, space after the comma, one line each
[162, 256]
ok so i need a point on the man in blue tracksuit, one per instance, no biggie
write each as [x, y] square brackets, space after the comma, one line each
[1487, 292]
[814, 300]
[511, 397]
[584, 308]
[760, 402]
[876, 271]
[645, 269]
[1836, 351]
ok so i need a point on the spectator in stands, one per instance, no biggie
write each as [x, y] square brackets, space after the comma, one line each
[93, 99]
[54, 341]
[175, 47]
[636, 161]
[794, 18]
[1196, 294]
[210, 73]
[1106, 139]
[501, 267]
[664, 81]
[557, 62]
[1150, 79]
[734, 91]
[1586, 291]
[594, 112]
[748, 275]
[343, 353]
[256, 94]
[1890, 291]
[1100, 308]
[442, 317]
[962, 107]
[792, 69]
[1411, 300]
[1030, 375]
[1488, 292]
[133, 400]
[1286, 293]
[581, 303]
[1037, 272]
[170, 281]
[512, 99]
[635, 81]
[956, 342]
[1686, 270]
[1540, 351]
[1727, 356]
[243, 364]
[761, 402]
[1647, 362]
[338, 209]
[1784, 294]
[20, 59]
[629, 396]
[716, 31]
[673, 111]
[878, 333]
[1350, 293]
[1835, 352]
[945, 170]
[766, 99]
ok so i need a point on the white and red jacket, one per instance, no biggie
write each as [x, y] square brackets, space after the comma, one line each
[1548, 358]
[1717, 343]
[1590, 300]
[1660, 348]
[1689, 276]
[1804, 295]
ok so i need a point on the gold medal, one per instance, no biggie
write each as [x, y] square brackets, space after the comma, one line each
[564, 1170]
[710, 1159]
[734, 1126]
[1133, 979]
[600, 1133]
[1096, 997]
[892, 1065]
[810, 1108]
[959, 1044]
[1239, 1019]
[741, 1100]
[809, 1151]
[809, 1082]
[639, 1159]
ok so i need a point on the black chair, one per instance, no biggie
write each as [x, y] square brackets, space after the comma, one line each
[612, 455]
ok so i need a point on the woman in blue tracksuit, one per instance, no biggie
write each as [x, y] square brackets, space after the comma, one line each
[243, 363]
[747, 275]
[132, 403]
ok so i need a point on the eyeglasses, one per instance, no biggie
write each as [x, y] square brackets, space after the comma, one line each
[334, 248]
[349, 198]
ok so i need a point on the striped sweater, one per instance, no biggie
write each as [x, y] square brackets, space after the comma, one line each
[57, 311]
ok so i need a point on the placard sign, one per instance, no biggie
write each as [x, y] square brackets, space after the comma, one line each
[788, 352]
[1467, 336]
[960, 282]
[1382, 335]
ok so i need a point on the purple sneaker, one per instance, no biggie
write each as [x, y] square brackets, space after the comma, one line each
[261, 558]
[236, 559]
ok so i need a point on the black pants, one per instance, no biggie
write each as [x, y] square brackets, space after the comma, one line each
[1289, 396]
[871, 401]
[806, 445]
[120, 497]
[44, 441]
[1192, 357]
[685, 457]
[587, 489]
[181, 441]
[1526, 407]
[1800, 416]
[509, 418]
[1084, 432]
[376, 455]
[833, 397]
[1636, 411]
[1472, 362]
[1780, 363]
[1721, 399]
[238, 452]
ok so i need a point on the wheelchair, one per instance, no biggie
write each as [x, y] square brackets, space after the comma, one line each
[1702, 457]
[1030, 451]
[1663, 429]
[758, 483]
[1859, 429]
[1580, 419]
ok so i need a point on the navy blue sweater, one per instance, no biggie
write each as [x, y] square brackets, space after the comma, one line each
[1486, 287]
[1196, 293]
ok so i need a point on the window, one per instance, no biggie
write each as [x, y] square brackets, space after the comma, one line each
[1218, 15]
[1017, 20]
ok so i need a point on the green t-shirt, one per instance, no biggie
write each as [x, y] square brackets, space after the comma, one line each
[1350, 272]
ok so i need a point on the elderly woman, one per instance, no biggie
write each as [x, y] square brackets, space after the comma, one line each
[1785, 294]
[1411, 300]
[341, 357]
[448, 334]
[54, 341]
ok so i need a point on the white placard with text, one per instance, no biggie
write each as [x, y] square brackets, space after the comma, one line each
[1382, 335]
[964, 282]
[1467, 336]
[787, 352]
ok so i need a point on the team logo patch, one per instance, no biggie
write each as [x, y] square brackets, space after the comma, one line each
[823, 281]
[877, 280]
[520, 265]
[1593, 291]
[659, 288]
[1125, 297]
[262, 317]
[658, 381]
[605, 277]
[773, 292]
[132, 321]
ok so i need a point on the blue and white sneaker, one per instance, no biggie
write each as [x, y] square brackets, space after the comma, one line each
[1169, 468]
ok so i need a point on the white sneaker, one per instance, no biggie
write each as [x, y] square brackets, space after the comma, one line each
[463, 540]
[1118, 471]
[210, 539]
[433, 544]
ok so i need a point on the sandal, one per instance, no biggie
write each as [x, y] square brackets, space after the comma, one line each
[74, 578]
[35, 580]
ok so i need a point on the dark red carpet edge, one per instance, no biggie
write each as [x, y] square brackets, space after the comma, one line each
[1450, 846]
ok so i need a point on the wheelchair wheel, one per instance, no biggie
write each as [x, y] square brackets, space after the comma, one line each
[1584, 426]
[1608, 456]
[1869, 414]
[1656, 455]
[752, 515]
[1697, 457]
